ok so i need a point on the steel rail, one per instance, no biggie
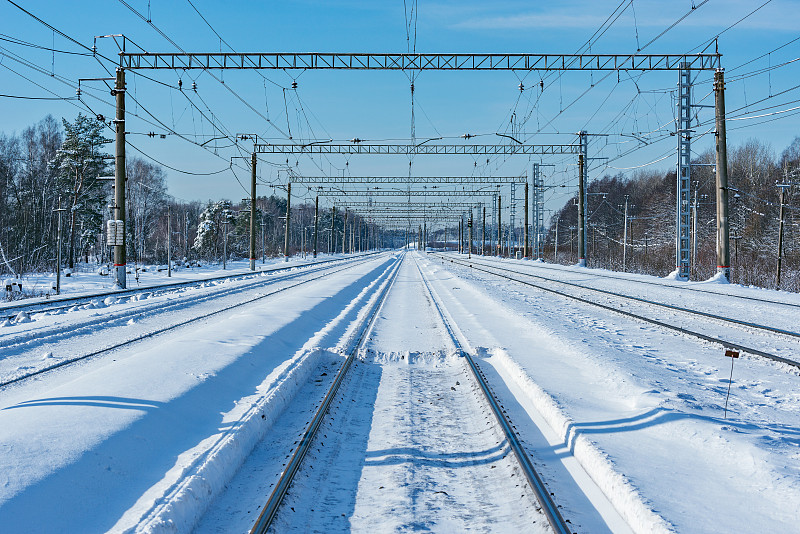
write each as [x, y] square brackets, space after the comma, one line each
[682, 330]
[60, 303]
[160, 331]
[544, 497]
[756, 326]
[270, 509]
[681, 287]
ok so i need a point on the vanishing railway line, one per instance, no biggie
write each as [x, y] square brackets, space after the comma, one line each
[544, 497]
[270, 510]
[749, 328]
[90, 326]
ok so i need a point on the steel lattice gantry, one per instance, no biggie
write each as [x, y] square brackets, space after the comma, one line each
[407, 149]
[332, 61]
[685, 63]
[407, 179]
[399, 193]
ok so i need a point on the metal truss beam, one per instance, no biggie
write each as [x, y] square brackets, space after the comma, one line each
[368, 148]
[417, 62]
[385, 193]
[414, 205]
[407, 179]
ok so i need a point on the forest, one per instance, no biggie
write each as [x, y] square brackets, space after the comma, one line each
[58, 170]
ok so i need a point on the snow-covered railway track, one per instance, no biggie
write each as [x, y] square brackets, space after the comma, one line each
[46, 339]
[59, 304]
[270, 509]
[535, 483]
[676, 314]
[693, 288]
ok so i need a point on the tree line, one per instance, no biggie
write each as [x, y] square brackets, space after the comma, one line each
[63, 167]
[648, 245]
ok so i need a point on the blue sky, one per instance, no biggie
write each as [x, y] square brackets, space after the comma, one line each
[377, 105]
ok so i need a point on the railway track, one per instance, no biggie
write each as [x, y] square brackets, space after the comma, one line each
[65, 303]
[749, 327]
[693, 289]
[543, 496]
[270, 509]
[549, 508]
[70, 329]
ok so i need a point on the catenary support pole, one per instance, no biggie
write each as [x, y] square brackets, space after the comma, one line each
[58, 249]
[332, 241]
[253, 212]
[483, 233]
[120, 260]
[581, 211]
[499, 227]
[316, 224]
[344, 233]
[625, 235]
[780, 237]
[469, 243]
[169, 240]
[723, 228]
[288, 220]
[526, 238]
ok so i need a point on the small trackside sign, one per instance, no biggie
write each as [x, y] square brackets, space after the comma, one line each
[730, 353]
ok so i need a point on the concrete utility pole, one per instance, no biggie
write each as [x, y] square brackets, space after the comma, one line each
[225, 242]
[780, 236]
[332, 241]
[483, 233]
[555, 246]
[499, 227]
[60, 210]
[253, 213]
[169, 241]
[316, 224]
[120, 260]
[582, 211]
[288, 219]
[469, 243]
[460, 237]
[625, 235]
[344, 233]
[526, 238]
[723, 227]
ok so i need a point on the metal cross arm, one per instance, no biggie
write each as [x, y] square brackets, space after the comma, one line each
[417, 62]
[472, 150]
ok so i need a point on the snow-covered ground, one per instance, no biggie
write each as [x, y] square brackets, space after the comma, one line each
[191, 429]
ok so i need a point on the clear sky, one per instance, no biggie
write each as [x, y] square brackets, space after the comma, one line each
[634, 109]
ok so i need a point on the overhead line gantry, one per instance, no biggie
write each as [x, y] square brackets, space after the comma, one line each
[683, 63]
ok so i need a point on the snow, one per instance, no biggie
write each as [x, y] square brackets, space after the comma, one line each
[189, 430]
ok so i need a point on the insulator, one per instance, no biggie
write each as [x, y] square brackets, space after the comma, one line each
[541, 85]
[78, 92]
[521, 86]
[180, 84]
[294, 85]
[194, 86]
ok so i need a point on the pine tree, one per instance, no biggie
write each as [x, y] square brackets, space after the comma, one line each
[78, 163]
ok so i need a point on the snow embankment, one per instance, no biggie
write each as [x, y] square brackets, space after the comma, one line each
[179, 509]
[622, 494]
